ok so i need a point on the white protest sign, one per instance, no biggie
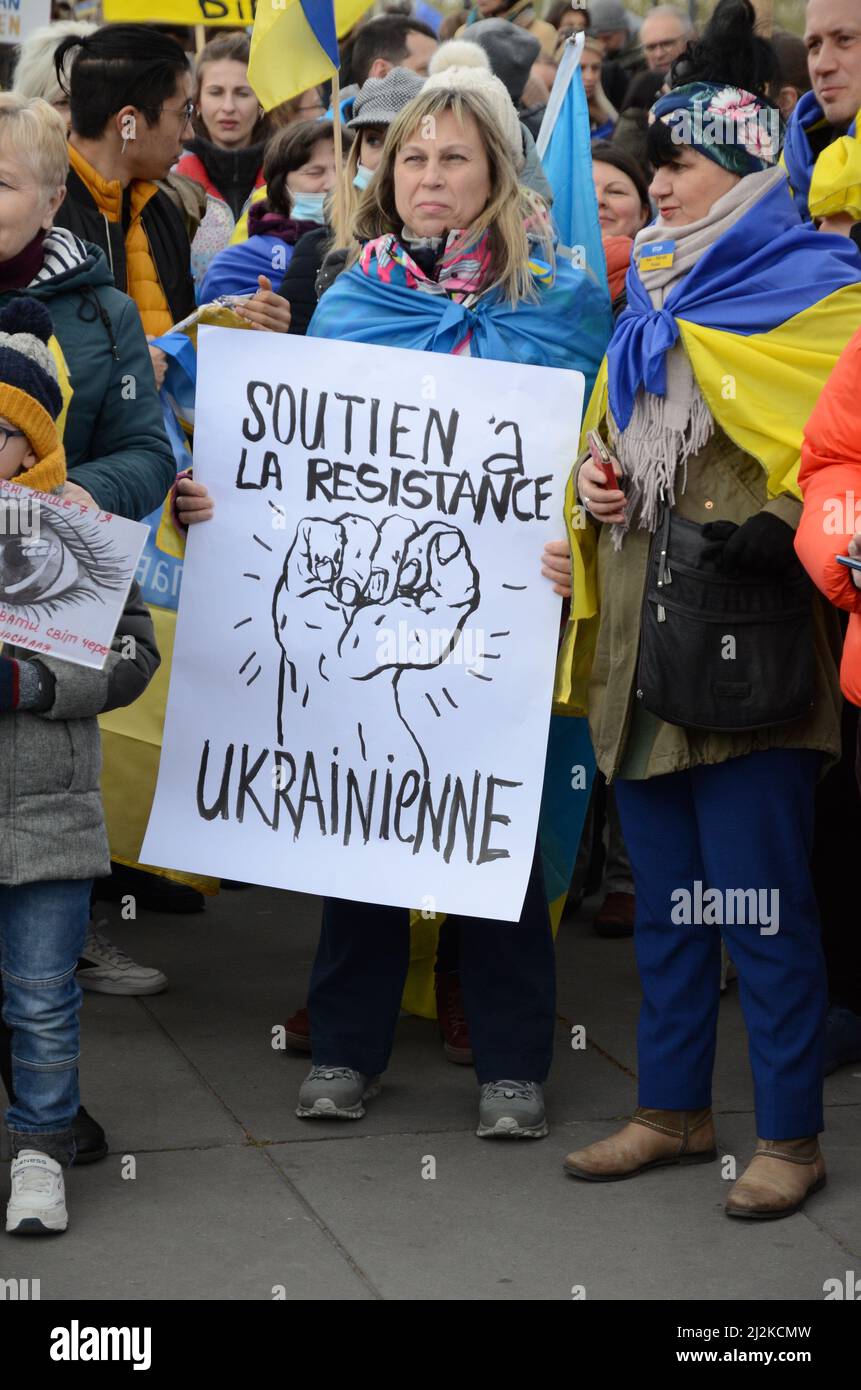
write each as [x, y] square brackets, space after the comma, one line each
[365, 647]
[65, 574]
[18, 18]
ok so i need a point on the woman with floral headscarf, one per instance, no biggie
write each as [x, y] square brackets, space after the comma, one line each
[712, 693]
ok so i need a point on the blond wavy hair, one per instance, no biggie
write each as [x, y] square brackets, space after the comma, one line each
[511, 215]
[33, 131]
[341, 215]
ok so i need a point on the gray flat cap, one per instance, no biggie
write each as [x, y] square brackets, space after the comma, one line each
[383, 98]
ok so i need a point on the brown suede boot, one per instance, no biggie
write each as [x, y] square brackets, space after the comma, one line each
[781, 1176]
[651, 1139]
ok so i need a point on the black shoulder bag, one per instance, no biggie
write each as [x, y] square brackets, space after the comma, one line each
[722, 652]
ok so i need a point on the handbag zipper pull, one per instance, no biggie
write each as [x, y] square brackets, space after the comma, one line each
[662, 613]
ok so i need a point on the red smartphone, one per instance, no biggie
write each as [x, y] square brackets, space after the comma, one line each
[601, 456]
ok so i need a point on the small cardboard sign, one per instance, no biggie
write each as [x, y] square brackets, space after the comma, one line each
[65, 574]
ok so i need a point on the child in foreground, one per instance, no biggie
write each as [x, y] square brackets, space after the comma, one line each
[52, 833]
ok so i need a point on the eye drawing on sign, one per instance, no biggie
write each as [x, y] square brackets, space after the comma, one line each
[65, 563]
[354, 585]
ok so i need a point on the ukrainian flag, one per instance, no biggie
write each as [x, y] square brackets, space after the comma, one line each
[295, 45]
[564, 147]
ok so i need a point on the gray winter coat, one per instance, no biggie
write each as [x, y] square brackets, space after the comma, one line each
[51, 820]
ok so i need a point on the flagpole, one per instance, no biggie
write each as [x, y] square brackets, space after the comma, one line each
[339, 151]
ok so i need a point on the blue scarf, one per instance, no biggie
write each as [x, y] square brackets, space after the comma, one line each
[798, 155]
[767, 268]
[568, 326]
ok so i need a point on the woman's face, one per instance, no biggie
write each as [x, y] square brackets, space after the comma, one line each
[317, 175]
[442, 176]
[26, 206]
[590, 66]
[227, 105]
[687, 189]
[372, 139]
[620, 211]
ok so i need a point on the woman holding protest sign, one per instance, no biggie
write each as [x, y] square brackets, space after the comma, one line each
[712, 695]
[453, 255]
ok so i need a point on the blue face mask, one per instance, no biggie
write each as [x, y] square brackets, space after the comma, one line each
[308, 207]
[363, 176]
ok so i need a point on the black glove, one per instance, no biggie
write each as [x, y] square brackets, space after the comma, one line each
[761, 545]
[717, 533]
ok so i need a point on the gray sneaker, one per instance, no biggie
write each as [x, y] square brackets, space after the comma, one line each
[511, 1110]
[335, 1093]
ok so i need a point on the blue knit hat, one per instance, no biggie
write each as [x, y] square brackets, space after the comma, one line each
[26, 361]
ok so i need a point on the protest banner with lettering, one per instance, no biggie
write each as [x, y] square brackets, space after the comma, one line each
[18, 18]
[365, 646]
[233, 13]
[65, 574]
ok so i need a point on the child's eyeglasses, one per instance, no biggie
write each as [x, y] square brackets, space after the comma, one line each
[6, 434]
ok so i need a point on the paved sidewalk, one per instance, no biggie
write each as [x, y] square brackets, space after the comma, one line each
[234, 1197]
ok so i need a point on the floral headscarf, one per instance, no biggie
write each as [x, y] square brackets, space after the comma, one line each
[734, 128]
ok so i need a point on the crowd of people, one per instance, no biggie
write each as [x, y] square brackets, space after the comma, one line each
[140, 180]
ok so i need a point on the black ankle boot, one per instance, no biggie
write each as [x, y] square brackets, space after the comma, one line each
[90, 1141]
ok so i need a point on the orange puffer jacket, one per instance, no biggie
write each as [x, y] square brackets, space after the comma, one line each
[830, 481]
[143, 284]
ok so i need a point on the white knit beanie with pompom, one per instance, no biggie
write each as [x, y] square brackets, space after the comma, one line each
[463, 66]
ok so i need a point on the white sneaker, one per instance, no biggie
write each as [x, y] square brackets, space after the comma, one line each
[108, 970]
[38, 1202]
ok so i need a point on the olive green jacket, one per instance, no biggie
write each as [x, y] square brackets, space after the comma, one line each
[723, 484]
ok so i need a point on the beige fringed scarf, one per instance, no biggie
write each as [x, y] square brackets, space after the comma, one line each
[665, 431]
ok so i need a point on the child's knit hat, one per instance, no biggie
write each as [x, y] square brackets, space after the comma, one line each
[30, 395]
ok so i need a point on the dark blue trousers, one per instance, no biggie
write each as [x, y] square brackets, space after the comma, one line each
[743, 824]
[507, 972]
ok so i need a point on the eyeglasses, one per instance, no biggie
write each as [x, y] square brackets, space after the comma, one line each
[6, 434]
[185, 112]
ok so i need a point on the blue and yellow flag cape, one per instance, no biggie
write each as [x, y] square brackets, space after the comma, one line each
[570, 327]
[763, 317]
[829, 183]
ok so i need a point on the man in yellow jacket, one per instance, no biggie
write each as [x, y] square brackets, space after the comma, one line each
[130, 94]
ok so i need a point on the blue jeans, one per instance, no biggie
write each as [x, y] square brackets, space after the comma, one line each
[746, 823]
[43, 927]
